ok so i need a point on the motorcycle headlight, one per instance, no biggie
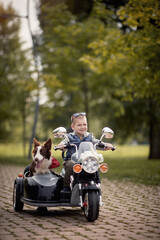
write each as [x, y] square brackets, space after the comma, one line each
[90, 165]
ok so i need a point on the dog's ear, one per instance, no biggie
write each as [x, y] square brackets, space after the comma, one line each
[48, 143]
[36, 143]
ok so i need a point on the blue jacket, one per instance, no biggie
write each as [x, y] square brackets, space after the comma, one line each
[73, 138]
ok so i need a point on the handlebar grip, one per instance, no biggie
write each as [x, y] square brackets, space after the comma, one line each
[101, 145]
[67, 146]
[114, 148]
[56, 148]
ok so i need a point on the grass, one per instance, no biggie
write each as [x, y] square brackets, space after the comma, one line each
[128, 163]
[131, 163]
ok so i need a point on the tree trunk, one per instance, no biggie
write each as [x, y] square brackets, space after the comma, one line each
[24, 131]
[34, 127]
[86, 99]
[85, 92]
[154, 134]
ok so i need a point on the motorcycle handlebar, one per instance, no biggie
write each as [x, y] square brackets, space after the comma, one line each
[102, 145]
[62, 146]
[56, 148]
[113, 148]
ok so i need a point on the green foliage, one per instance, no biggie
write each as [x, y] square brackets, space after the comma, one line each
[131, 60]
[140, 13]
[71, 84]
[142, 48]
[15, 81]
[133, 57]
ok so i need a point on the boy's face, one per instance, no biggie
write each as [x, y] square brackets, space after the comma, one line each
[79, 126]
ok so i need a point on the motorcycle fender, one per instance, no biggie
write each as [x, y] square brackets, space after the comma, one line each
[92, 188]
[75, 196]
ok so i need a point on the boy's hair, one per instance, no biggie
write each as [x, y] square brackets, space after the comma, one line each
[73, 118]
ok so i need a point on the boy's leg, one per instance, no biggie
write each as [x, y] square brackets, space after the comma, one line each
[68, 165]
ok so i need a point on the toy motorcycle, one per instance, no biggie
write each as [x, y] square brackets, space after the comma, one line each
[46, 190]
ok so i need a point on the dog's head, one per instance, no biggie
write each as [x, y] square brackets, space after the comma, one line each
[42, 153]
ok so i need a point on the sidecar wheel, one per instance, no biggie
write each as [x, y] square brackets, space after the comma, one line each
[17, 193]
[42, 211]
[91, 205]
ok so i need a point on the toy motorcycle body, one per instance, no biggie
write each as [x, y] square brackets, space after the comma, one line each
[46, 190]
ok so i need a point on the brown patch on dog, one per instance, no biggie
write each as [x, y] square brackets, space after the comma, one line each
[35, 144]
[48, 143]
[32, 169]
[46, 149]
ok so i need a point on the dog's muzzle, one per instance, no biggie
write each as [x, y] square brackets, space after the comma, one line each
[38, 163]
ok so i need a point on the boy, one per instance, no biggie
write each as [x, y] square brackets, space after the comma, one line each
[80, 134]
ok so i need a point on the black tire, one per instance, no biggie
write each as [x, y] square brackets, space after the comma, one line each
[42, 211]
[17, 193]
[91, 205]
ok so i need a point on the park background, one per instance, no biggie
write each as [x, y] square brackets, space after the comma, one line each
[98, 57]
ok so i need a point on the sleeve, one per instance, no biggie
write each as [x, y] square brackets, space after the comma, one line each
[94, 140]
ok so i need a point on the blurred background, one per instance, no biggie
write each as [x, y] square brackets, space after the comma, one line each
[64, 56]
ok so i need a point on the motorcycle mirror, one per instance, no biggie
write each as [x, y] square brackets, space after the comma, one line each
[107, 133]
[59, 132]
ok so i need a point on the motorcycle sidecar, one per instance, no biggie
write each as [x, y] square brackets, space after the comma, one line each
[42, 190]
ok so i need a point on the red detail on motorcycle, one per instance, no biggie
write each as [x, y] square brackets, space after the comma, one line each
[20, 175]
[85, 204]
[103, 167]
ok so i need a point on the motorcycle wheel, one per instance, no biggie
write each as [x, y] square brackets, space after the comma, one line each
[17, 204]
[91, 205]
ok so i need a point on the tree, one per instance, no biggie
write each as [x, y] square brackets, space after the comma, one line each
[133, 58]
[146, 48]
[16, 83]
[102, 59]
[64, 40]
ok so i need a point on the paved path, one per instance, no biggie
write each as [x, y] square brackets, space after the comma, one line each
[129, 212]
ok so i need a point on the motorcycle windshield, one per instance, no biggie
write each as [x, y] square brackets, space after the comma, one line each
[83, 147]
[86, 147]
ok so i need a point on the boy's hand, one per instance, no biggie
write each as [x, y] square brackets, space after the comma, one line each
[61, 148]
[109, 146]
